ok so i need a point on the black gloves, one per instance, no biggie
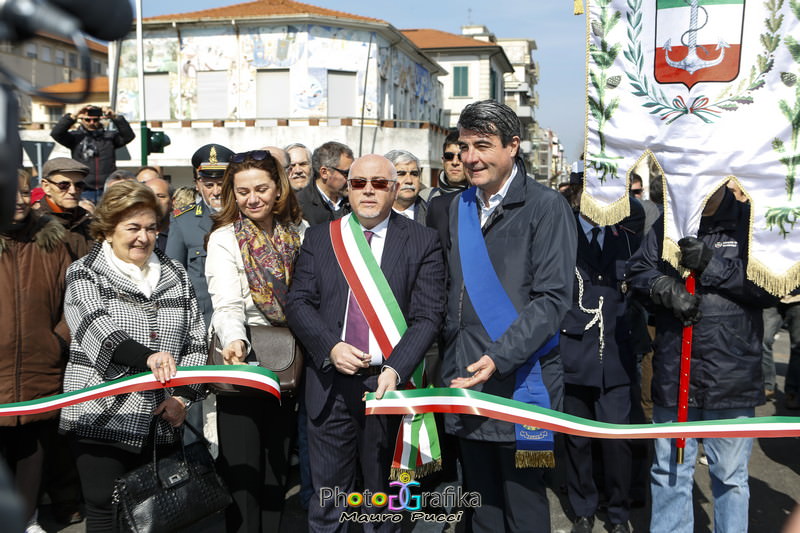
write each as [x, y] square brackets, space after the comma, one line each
[673, 295]
[695, 255]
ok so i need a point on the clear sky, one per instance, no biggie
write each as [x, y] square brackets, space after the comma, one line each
[558, 33]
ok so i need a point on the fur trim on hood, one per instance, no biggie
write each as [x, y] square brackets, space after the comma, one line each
[46, 232]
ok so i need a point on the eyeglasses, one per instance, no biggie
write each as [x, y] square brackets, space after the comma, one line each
[401, 173]
[343, 173]
[255, 155]
[87, 119]
[379, 184]
[448, 156]
[636, 191]
[64, 186]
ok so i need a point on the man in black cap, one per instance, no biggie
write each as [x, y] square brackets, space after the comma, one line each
[93, 145]
[188, 228]
[63, 182]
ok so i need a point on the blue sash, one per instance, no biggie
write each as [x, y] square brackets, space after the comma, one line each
[496, 313]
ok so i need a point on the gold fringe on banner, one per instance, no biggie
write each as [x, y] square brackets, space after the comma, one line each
[602, 214]
[534, 459]
[420, 471]
[578, 7]
[777, 285]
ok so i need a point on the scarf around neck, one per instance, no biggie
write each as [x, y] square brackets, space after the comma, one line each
[268, 264]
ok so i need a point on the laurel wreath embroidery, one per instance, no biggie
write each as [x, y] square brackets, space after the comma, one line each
[701, 106]
[783, 217]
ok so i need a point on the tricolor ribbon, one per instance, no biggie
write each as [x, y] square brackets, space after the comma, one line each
[417, 448]
[244, 375]
[468, 402]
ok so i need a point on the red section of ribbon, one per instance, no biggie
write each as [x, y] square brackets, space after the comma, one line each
[358, 289]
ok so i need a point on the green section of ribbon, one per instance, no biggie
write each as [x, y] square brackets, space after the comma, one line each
[668, 4]
[505, 402]
[377, 275]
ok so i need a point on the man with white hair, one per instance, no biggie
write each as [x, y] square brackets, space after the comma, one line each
[300, 171]
[408, 202]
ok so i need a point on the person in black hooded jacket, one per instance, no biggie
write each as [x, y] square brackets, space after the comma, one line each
[93, 145]
[725, 379]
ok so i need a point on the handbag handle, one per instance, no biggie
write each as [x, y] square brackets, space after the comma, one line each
[179, 431]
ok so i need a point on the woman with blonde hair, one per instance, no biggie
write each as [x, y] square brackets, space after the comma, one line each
[251, 254]
[130, 309]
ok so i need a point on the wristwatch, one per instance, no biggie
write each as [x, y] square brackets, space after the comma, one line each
[187, 403]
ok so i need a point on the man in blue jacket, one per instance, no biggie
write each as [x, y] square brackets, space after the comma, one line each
[725, 380]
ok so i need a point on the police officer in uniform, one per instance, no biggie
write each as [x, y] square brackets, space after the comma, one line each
[190, 225]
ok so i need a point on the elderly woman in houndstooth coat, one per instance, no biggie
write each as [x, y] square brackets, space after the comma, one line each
[130, 309]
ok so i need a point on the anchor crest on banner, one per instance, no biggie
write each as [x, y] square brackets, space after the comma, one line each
[698, 40]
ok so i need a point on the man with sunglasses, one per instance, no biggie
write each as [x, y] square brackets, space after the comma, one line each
[408, 203]
[93, 145]
[343, 358]
[63, 182]
[189, 226]
[324, 199]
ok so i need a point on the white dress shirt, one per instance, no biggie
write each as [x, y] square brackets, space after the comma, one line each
[495, 199]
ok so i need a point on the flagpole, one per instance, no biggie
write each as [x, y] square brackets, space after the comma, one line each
[686, 365]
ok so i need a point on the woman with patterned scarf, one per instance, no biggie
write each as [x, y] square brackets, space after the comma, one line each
[251, 254]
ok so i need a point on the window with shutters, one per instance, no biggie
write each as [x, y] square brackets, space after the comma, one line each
[156, 95]
[273, 98]
[460, 81]
[212, 94]
[342, 93]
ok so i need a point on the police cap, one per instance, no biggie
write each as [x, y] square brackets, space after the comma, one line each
[211, 160]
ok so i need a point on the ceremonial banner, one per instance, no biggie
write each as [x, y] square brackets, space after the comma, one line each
[709, 89]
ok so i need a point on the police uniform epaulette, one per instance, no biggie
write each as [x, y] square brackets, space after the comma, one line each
[184, 209]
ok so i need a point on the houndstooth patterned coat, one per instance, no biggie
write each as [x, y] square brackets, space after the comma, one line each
[104, 309]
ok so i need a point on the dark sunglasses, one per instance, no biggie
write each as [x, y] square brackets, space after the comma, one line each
[402, 173]
[255, 155]
[87, 119]
[343, 173]
[448, 156]
[379, 184]
[64, 186]
[636, 191]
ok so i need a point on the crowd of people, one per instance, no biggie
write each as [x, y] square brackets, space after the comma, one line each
[493, 281]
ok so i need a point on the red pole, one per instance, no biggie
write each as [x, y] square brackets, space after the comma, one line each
[686, 365]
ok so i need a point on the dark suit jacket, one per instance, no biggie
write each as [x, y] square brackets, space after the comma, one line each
[315, 209]
[579, 347]
[413, 265]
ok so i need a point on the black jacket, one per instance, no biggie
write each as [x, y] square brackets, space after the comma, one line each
[315, 209]
[726, 343]
[531, 242]
[95, 149]
[584, 364]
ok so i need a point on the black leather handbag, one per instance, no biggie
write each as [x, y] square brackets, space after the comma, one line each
[169, 493]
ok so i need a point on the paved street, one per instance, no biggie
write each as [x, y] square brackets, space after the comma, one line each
[774, 485]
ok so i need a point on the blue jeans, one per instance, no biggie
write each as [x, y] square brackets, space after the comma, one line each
[671, 483]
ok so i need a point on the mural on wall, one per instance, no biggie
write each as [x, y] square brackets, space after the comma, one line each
[307, 51]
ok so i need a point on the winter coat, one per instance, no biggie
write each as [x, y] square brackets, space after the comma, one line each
[726, 342]
[76, 221]
[33, 347]
[531, 241]
[95, 149]
[106, 313]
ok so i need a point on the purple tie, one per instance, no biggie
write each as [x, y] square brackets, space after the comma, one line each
[357, 332]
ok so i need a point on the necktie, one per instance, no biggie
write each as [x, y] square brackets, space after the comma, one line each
[594, 245]
[357, 332]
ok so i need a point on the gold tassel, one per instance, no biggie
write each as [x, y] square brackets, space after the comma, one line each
[420, 471]
[534, 459]
[771, 282]
[605, 215]
[578, 7]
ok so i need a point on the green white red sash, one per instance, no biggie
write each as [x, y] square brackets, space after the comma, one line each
[417, 446]
[465, 401]
[245, 375]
